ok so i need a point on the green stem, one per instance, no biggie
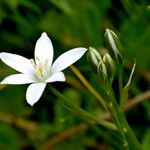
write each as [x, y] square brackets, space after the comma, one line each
[82, 112]
[114, 110]
[120, 79]
[130, 136]
[130, 141]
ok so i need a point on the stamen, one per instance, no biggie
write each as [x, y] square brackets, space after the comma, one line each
[40, 70]
[37, 58]
[46, 61]
[33, 63]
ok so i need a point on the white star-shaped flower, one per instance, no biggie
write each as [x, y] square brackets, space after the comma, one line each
[40, 70]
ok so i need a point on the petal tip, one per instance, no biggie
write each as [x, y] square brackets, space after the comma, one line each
[34, 92]
[29, 100]
[83, 49]
[44, 34]
[31, 103]
[3, 82]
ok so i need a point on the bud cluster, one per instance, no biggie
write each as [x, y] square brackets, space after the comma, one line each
[105, 66]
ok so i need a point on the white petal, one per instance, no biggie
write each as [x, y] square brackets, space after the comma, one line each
[67, 59]
[44, 49]
[17, 62]
[34, 92]
[59, 76]
[18, 79]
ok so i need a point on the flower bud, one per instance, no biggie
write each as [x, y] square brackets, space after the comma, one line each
[93, 57]
[113, 45]
[102, 75]
[110, 67]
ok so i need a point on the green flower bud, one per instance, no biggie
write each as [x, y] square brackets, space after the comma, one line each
[102, 75]
[110, 67]
[93, 57]
[113, 45]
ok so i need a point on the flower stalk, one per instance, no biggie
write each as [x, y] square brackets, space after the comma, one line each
[108, 67]
[129, 139]
[133, 143]
[81, 111]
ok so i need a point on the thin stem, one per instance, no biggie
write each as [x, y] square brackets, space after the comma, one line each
[114, 111]
[126, 131]
[120, 80]
[129, 139]
[89, 86]
[82, 112]
[130, 136]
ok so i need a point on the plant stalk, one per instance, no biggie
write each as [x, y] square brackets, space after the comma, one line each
[130, 136]
[80, 111]
[130, 141]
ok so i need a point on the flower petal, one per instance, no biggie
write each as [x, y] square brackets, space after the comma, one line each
[17, 62]
[59, 76]
[18, 79]
[44, 49]
[34, 92]
[67, 59]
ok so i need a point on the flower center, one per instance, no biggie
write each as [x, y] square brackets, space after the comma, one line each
[42, 70]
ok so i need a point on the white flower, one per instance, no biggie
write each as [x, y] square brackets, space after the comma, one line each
[40, 70]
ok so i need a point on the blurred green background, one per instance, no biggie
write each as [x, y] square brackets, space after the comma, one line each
[69, 24]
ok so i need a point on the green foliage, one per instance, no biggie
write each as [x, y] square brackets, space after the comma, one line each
[146, 140]
[8, 138]
[12, 102]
